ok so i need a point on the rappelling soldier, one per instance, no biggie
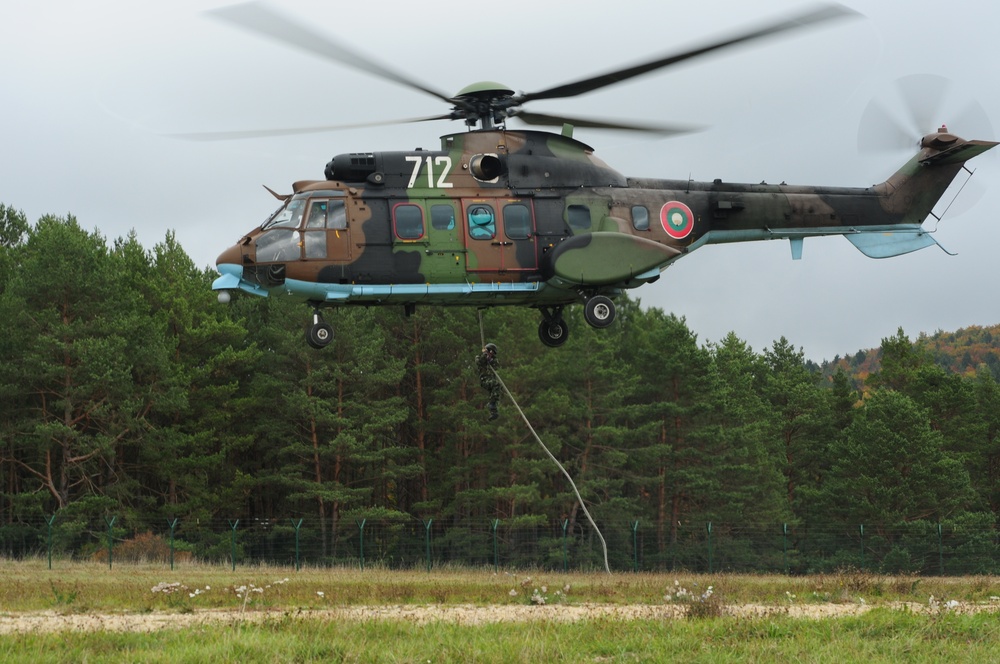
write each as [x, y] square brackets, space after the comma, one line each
[487, 363]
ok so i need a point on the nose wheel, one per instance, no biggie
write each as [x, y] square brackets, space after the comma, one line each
[320, 333]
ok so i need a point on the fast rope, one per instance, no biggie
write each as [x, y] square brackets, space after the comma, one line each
[604, 545]
[597, 530]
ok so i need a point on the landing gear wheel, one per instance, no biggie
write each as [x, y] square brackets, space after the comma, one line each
[554, 332]
[319, 335]
[599, 311]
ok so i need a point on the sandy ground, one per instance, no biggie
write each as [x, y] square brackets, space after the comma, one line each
[50, 621]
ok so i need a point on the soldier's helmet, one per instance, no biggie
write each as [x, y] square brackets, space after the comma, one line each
[492, 348]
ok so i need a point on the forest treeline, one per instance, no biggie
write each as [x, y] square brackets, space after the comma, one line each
[127, 389]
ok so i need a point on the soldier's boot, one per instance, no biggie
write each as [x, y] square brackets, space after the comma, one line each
[494, 412]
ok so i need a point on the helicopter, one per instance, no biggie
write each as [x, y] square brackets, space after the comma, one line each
[522, 217]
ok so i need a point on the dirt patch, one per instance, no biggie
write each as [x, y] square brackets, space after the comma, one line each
[51, 621]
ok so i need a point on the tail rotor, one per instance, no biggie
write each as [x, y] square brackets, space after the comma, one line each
[895, 121]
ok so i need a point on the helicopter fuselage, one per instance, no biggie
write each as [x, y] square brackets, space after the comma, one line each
[532, 218]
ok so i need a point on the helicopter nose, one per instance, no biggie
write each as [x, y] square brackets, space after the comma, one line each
[231, 256]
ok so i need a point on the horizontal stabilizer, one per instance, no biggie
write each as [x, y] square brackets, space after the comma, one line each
[960, 153]
[606, 258]
[887, 244]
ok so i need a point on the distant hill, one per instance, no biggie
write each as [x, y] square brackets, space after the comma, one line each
[960, 352]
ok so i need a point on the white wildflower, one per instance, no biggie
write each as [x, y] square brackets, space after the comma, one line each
[513, 593]
[167, 588]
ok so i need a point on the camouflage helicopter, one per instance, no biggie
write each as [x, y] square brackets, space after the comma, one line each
[532, 218]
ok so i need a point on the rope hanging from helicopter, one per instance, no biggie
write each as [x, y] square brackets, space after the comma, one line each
[604, 545]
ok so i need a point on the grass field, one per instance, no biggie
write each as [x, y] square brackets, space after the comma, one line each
[145, 613]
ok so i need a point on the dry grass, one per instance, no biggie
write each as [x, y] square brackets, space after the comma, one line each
[81, 587]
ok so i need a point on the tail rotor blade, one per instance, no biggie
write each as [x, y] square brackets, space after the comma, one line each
[923, 96]
[879, 131]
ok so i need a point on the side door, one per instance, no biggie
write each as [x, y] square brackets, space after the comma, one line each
[444, 262]
[325, 233]
[499, 235]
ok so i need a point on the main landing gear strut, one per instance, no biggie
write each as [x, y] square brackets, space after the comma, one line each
[320, 333]
[599, 312]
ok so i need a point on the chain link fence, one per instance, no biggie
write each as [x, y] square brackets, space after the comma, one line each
[914, 548]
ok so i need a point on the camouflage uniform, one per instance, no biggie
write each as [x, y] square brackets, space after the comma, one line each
[486, 363]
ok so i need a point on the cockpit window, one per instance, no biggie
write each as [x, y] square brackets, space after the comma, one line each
[323, 212]
[336, 218]
[287, 216]
[279, 245]
[317, 215]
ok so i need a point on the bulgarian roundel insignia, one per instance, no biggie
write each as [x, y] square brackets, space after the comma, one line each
[677, 219]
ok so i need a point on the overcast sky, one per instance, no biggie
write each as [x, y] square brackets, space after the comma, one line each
[87, 91]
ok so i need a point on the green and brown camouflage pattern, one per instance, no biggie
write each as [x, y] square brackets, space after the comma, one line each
[565, 226]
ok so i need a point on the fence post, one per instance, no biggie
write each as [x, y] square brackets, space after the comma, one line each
[940, 550]
[232, 540]
[361, 544]
[708, 527]
[862, 528]
[427, 541]
[635, 545]
[565, 529]
[49, 522]
[784, 545]
[297, 526]
[110, 522]
[496, 549]
[172, 524]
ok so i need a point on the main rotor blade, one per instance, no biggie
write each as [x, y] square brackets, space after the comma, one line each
[265, 133]
[556, 120]
[258, 18]
[816, 16]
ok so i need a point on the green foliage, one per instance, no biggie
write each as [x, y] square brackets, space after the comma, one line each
[127, 391]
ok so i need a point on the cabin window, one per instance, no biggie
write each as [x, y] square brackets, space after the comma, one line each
[442, 217]
[517, 221]
[409, 220]
[482, 222]
[640, 218]
[579, 217]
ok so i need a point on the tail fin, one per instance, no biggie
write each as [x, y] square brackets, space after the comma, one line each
[914, 189]
[911, 193]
